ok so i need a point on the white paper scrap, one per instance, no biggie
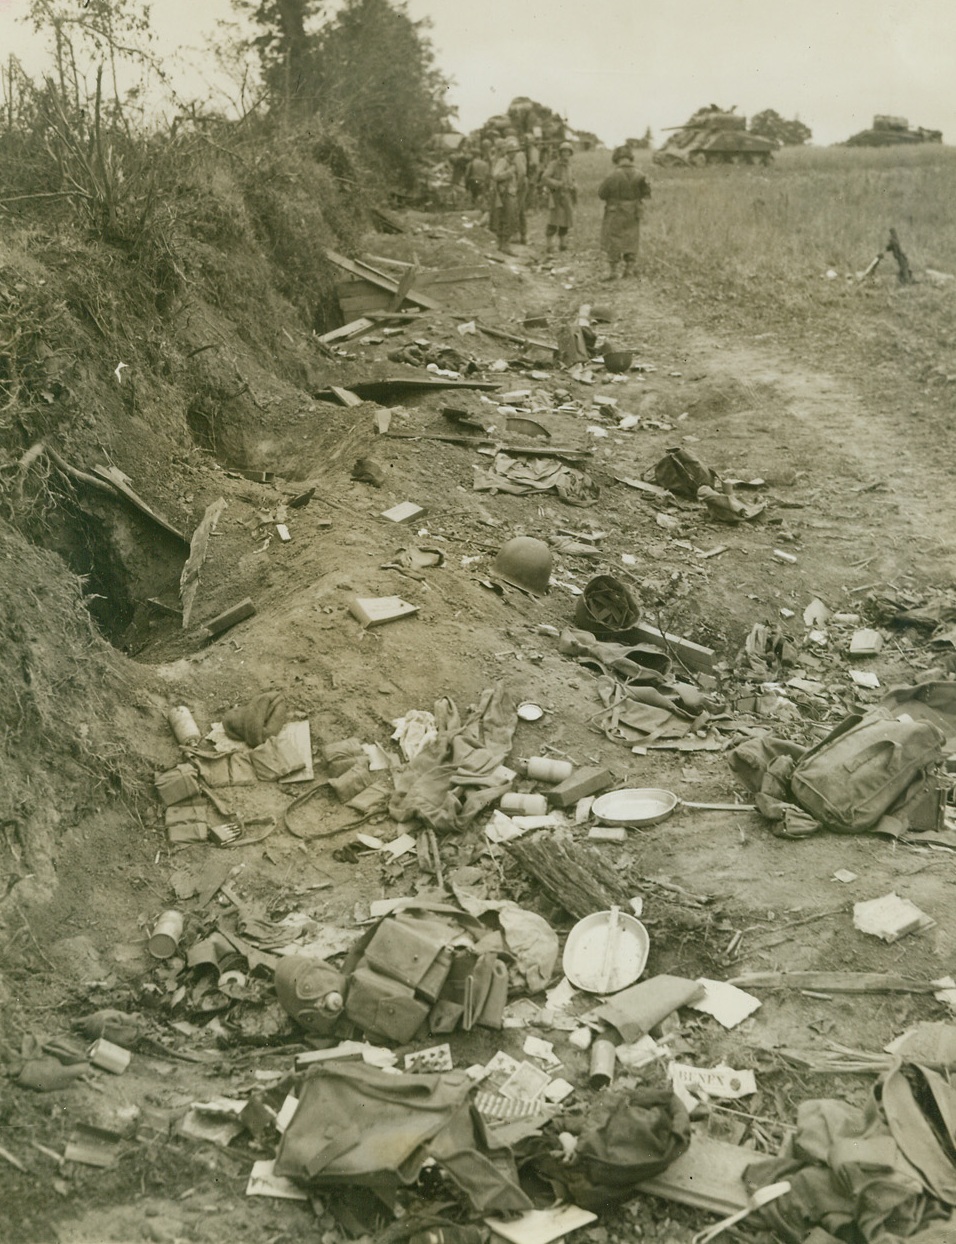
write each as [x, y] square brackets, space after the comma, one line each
[947, 991]
[561, 996]
[639, 1053]
[263, 1181]
[864, 678]
[728, 1004]
[541, 1226]
[400, 846]
[720, 1081]
[286, 1111]
[558, 1090]
[536, 1047]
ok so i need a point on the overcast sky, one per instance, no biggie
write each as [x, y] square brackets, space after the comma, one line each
[617, 66]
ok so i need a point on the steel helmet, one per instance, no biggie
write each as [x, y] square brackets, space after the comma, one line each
[525, 563]
[512, 144]
[566, 146]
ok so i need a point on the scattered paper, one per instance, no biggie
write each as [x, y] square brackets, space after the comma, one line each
[947, 992]
[864, 678]
[286, 1111]
[541, 1226]
[437, 1058]
[728, 1004]
[890, 917]
[640, 1053]
[526, 1083]
[844, 875]
[263, 1181]
[536, 1047]
[558, 1090]
[692, 1084]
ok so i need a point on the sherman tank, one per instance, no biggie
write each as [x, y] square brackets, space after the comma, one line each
[713, 136]
[893, 132]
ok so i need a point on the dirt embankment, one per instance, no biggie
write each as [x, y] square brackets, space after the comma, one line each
[223, 388]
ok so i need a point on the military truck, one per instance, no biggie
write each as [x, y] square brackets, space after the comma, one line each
[893, 132]
[714, 136]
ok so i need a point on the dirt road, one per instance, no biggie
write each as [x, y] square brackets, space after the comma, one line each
[856, 492]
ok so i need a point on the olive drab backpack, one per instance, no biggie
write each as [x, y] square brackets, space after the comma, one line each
[868, 766]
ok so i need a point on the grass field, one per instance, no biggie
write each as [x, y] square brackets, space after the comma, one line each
[750, 249]
[813, 209]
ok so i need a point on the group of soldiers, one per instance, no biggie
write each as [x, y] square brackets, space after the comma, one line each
[505, 176]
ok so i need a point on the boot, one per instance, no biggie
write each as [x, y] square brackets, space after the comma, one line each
[611, 272]
[549, 246]
[562, 244]
[628, 267]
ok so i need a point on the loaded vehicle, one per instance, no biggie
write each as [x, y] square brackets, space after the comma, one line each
[714, 136]
[893, 132]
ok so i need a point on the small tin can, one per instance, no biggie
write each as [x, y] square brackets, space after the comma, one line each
[524, 805]
[544, 770]
[603, 1057]
[183, 725]
[110, 1057]
[166, 934]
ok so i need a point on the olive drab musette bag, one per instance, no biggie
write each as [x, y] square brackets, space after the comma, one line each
[868, 766]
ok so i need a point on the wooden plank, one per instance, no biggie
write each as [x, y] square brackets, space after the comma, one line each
[366, 272]
[404, 285]
[372, 390]
[708, 1176]
[835, 982]
[388, 221]
[452, 276]
[694, 656]
[122, 485]
[344, 397]
[501, 335]
[352, 329]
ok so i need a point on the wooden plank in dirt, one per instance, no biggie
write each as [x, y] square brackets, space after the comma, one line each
[408, 279]
[344, 397]
[835, 982]
[694, 656]
[708, 1176]
[373, 390]
[353, 329]
[198, 548]
[365, 272]
[452, 276]
[122, 485]
[387, 222]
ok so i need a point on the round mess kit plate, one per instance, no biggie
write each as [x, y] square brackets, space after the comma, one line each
[529, 711]
[644, 805]
[585, 960]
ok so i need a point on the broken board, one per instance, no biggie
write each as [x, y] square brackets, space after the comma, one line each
[377, 610]
[392, 386]
[367, 274]
[121, 483]
[708, 1176]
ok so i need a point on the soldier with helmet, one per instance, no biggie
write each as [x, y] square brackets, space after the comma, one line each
[505, 179]
[623, 192]
[558, 180]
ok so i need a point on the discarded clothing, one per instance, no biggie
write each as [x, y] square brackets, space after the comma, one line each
[452, 779]
[358, 1125]
[526, 475]
[933, 701]
[876, 1169]
[681, 472]
[258, 720]
[627, 1137]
